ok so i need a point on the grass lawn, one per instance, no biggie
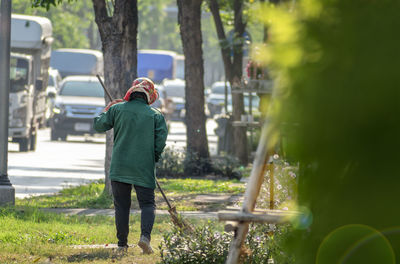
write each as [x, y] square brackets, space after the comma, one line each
[181, 192]
[30, 235]
[33, 236]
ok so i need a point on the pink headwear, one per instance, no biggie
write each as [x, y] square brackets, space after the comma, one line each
[145, 86]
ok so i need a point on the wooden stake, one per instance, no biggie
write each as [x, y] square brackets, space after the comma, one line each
[271, 186]
[251, 194]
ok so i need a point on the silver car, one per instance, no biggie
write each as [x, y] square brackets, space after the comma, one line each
[81, 98]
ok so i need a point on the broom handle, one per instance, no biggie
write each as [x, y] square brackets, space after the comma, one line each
[111, 99]
[104, 87]
[163, 194]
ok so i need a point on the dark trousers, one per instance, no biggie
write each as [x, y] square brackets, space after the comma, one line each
[122, 204]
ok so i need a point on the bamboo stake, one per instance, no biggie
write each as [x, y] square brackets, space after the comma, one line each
[251, 194]
[271, 186]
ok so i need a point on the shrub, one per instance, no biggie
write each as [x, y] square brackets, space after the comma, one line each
[285, 186]
[263, 242]
[175, 163]
[170, 163]
[207, 245]
[195, 165]
[227, 166]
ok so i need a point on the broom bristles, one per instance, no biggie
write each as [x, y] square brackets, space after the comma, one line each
[179, 221]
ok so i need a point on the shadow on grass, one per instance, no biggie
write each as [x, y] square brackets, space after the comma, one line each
[96, 255]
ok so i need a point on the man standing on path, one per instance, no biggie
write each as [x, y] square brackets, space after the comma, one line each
[140, 133]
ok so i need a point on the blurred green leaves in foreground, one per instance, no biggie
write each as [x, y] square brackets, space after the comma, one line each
[337, 66]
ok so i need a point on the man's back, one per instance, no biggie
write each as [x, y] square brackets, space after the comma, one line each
[139, 137]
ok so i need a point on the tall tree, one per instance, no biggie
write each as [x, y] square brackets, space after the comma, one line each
[118, 31]
[117, 22]
[189, 19]
[233, 68]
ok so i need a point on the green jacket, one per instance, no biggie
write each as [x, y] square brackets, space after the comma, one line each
[140, 133]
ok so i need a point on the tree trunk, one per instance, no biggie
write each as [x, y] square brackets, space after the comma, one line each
[233, 70]
[239, 133]
[118, 34]
[189, 19]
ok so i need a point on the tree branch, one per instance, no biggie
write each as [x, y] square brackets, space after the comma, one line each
[102, 18]
[239, 25]
[225, 49]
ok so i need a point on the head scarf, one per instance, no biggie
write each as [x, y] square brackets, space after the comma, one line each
[145, 86]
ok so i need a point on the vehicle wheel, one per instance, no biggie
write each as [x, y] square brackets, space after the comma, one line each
[33, 141]
[24, 144]
[53, 135]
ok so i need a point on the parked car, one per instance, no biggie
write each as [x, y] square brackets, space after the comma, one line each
[175, 91]
[216, 99]
[81, 98]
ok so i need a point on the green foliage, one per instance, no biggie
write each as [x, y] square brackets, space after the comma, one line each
[178, 164]
[157, 28]
[47, 3]
[195, 165]
[337, 64]
[209, 245]
[73, 21]
[285, 178]
[74, 27]
[170, 163]
[227, 166]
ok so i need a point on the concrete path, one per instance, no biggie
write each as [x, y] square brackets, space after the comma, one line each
[201, 198]
[110, 212]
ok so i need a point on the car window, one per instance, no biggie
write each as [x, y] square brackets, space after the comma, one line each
[173, 90]
[82, 88]
[19, 70]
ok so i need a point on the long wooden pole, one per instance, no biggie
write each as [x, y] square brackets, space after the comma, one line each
[251, 194]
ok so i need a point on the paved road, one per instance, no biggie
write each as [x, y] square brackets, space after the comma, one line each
[56, 165]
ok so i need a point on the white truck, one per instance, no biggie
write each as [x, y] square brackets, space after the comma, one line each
[31, 38]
